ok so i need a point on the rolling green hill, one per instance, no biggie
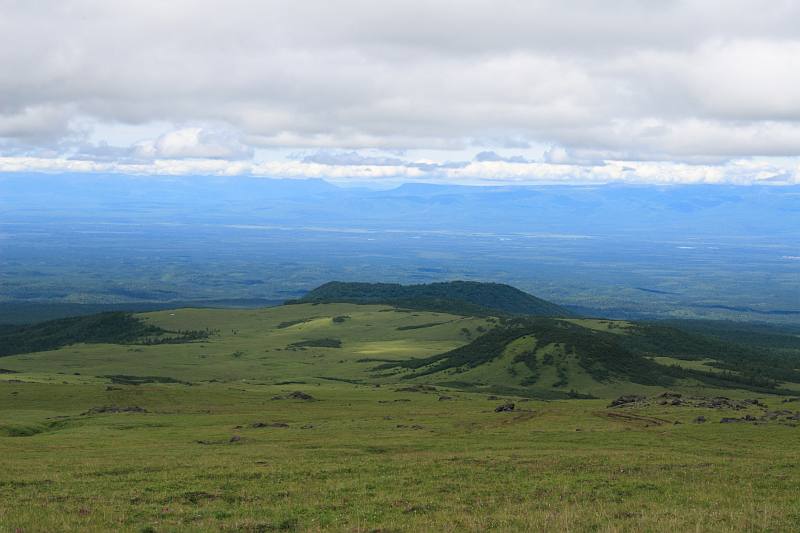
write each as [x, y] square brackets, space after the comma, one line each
[460, 297]
[587, 357]
[306, 343]
[381, 344]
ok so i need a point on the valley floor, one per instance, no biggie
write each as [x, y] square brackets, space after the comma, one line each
[249, 457]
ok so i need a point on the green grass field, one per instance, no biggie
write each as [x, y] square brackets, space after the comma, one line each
[255, 344]
[229, 449]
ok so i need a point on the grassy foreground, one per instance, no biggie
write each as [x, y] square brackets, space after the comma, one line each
[364, 458]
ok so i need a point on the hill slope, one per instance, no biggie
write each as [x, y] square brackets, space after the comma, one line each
[308, 343]
[578, 357]
[461, 297]
[379, 344]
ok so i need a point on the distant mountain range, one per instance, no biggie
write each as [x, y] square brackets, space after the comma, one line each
[674, 210]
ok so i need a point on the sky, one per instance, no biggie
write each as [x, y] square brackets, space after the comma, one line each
[471, 92]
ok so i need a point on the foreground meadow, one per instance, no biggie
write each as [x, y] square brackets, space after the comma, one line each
[247, 457]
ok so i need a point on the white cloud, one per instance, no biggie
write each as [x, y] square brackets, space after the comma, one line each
[194, 143]
[35, 123]
[688, 89]
[492, 172]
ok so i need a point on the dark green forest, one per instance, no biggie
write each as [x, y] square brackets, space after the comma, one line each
[459, 297]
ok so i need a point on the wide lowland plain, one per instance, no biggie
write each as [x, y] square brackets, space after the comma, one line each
[621, 252]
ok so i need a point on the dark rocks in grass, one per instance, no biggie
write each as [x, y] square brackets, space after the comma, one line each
[626, 400]
[7, 371]
[774, 415]
[721, 402]
[670, 398]
[508, 406]
[266, 425]
[194, 497]
[112, 388]
[674, 401]
[114, 409]
[700, 420]
[299, 395]
[746, 418]
[492, 397]
[233, 440]
[677, 400]
[443, 398]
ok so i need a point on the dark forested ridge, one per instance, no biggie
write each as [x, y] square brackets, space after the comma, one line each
[459, 297]
[114, 328]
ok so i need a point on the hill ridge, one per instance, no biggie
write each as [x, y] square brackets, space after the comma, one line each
[458, 297]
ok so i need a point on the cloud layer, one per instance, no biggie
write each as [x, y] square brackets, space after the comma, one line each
[569, 89]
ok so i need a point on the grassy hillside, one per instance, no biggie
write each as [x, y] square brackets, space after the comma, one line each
[309, 343]
[379, 344]
[586, 357]
[460, 297]
[346, 417]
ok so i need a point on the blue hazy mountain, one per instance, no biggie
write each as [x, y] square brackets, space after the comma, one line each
[669, 210]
